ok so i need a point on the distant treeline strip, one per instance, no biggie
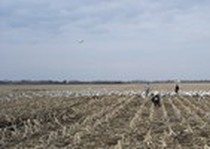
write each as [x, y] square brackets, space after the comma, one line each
[46, 82]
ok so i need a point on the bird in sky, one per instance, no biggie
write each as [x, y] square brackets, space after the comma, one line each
[80, 41]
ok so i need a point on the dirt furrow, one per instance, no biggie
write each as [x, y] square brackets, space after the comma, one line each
[62, 121]
[196, 111]
[131, 136]
[189, 123]
[201, 129]
[174, 126]
[206, 101]
[201, 104]
[137, 115]
[192, 117]
[137, 135]
[158, 125]
[177, 115]
[112, 127]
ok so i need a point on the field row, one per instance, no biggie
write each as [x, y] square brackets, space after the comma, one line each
[105, 122]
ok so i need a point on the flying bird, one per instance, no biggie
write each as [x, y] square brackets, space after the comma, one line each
[80, 41]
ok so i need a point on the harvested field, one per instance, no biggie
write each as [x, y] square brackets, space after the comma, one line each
[104, 116]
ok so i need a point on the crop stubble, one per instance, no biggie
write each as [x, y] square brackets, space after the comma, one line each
[112, 121]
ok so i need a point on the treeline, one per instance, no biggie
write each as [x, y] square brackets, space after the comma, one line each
[46, 82]
[29, 82]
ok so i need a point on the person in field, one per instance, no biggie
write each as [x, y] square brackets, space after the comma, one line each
[147, 89]
[176, 89]
[156, 99]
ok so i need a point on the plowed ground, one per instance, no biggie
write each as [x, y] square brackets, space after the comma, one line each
[105, 122]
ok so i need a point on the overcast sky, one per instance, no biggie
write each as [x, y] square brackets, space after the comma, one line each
[123, 39]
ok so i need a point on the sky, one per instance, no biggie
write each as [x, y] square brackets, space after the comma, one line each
[123, 39]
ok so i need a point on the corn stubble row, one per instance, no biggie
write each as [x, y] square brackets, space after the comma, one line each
[104, 119]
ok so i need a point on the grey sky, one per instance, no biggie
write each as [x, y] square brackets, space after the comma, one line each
[123, 39]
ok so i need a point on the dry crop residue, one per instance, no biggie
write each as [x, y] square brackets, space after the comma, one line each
[38, 120]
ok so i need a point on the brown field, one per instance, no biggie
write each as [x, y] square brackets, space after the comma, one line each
[104, 116]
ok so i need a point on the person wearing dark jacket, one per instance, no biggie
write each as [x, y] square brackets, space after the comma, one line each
[156, 99]
[176, 89]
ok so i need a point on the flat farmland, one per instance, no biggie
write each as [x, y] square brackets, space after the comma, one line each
[104, 116]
